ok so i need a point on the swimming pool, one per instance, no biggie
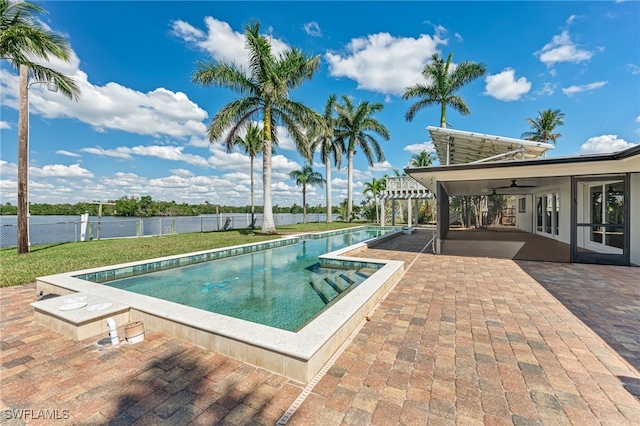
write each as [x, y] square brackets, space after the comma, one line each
[299, 354]
[282, 287]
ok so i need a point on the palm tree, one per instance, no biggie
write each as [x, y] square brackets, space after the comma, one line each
[442, 82]
[265, 95]
[424, 159]
[352, 124]
[542, 127]
[303, 177]
[374, 187]
[323, 135]
[251, 144]
[23, 39]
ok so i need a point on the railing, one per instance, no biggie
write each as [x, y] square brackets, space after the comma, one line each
[403, 183]
[41, 232]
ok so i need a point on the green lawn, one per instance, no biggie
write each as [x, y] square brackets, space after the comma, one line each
[58, 258]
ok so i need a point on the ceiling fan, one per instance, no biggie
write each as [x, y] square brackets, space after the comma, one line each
[514, 185]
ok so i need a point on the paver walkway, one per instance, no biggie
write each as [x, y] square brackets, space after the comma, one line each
[459, 340]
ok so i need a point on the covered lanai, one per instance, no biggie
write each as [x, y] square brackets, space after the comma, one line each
[584, 202]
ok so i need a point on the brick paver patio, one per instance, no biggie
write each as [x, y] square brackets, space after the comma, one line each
[459, 340]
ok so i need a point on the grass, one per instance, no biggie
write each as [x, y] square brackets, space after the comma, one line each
[52, 259]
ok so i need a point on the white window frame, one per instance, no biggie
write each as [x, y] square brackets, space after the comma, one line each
[554, 208]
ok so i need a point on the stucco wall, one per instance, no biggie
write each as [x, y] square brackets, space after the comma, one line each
[524, 221]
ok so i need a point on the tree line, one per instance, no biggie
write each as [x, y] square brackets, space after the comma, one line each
[146, 207]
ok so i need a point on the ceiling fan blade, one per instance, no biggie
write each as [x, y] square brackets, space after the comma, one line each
[514, 185]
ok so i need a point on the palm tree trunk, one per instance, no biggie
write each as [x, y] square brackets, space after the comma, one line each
[23, 162]
[443, 115]
[328, 165]
[253, 210]
[350, 187]
[304, 203]
[268, 225]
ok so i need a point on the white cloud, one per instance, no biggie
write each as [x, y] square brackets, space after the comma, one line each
[505, 87]
[381, 167]
[182, 172]
[4, 124]
[573, 18]
[633, 69]
[562, 49]
[547, 89]
[283, 165]
[604, 143]
[417, 148]
[59, 170]
[67, 153]
[285, 141]
[572, 90]
[172, 153]
[113, 106]
[7, 168]
[373, 61]
[313, 29]
[219, 40]
[638, 119]
[120, 152]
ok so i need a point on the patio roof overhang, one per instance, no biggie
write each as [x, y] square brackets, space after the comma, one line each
[482, 178]
[461, 147]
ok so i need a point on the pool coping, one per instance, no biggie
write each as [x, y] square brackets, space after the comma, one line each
[297, 355]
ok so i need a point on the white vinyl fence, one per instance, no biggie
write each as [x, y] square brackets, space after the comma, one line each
[43, 232]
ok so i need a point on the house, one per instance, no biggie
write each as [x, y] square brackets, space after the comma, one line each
[590, 203]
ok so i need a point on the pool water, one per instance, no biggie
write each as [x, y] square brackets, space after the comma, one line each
[282, 287]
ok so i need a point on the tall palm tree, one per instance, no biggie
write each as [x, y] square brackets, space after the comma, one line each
[323, 136]
[442, 83]
[542, 127]
[23, 39]
[352, 126]
[265, 95]
[374, 187]
[252, 145]
[424, 159]
[304, 177]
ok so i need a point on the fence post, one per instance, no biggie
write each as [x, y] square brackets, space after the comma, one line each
[83, 230]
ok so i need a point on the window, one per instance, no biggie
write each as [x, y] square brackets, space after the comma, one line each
[522, 205]
[547, 214]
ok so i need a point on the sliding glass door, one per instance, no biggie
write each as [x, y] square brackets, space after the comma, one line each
[601, 221]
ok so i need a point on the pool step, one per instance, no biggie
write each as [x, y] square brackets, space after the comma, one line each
[326, 292]
[363, 274]
[328, 288]
[314, 268]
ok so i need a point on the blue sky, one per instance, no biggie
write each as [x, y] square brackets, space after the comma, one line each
[139, 126]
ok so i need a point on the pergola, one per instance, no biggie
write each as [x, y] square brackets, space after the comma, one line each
[403, 188]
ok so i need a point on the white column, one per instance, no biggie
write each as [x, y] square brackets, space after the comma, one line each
[409, 211]
[382, 212]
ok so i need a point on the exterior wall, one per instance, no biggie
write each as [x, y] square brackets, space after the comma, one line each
[524, 220]
[635, 213]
